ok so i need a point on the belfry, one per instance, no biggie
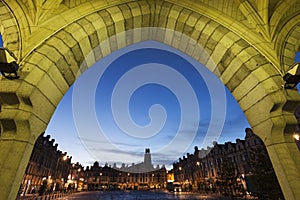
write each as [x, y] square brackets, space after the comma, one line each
[147, 158]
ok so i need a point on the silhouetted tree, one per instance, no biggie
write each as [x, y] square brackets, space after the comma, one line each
[227, 176]
[263, 181]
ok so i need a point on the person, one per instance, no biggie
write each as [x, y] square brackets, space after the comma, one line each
[33, 190]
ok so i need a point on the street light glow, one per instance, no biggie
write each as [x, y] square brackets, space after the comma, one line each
[296, 136]
[65, 157]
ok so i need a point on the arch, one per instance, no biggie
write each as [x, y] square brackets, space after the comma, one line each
[291, 45]
[57, 52]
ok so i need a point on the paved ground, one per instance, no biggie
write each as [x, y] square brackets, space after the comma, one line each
[139, 195]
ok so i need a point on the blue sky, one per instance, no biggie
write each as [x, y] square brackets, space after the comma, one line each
[168, 132]
[147, 95]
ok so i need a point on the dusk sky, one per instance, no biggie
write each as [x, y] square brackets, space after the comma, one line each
[161, 99]
[147, 95]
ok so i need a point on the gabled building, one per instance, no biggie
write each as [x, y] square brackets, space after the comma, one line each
[48, 168]
[139, 176]
[210, 169]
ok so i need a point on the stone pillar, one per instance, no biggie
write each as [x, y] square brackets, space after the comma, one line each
[277, 134]
[16, 148]
[285, 158]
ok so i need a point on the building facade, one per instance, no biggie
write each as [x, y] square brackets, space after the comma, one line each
[224, 168]
[48, 168]
[141, 176]
[76, 179]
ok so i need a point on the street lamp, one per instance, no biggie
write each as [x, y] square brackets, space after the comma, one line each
[128, 180]
[57, 163]
[8, 64]
[296, 136]
[197, 171]
[100, 180]
[180, 174]
[77, 178]
[65, 157]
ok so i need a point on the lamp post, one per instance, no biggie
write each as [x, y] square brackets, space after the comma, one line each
[128, 180]
[181, 175]
[100, 186]
[65, 157]
[153, 182]
[197, 177]
[77, 179]
[198, 169]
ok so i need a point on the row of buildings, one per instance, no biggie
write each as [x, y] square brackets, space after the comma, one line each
[50, 170]
[224, 168]
[47, 166]
[231, 169]
[113, 178]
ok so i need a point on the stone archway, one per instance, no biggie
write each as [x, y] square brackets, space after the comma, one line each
[251, 45]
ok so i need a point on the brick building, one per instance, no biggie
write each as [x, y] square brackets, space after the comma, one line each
[48, 167]
[139, 176]
[209, 169]
[76, 176]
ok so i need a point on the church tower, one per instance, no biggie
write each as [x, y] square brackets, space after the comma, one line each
[147, 158]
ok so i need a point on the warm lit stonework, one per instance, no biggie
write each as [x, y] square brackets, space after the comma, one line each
[252, 44]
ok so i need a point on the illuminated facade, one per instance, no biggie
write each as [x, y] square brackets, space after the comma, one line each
[76, 176]
[48, 167]
[205, 170]
[142, 176]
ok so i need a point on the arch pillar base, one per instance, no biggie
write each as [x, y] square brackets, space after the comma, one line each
[283, 152]
[14, 160]
[16, 144]
[285, 159]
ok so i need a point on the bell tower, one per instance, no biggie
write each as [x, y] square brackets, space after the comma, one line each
[147, 158]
